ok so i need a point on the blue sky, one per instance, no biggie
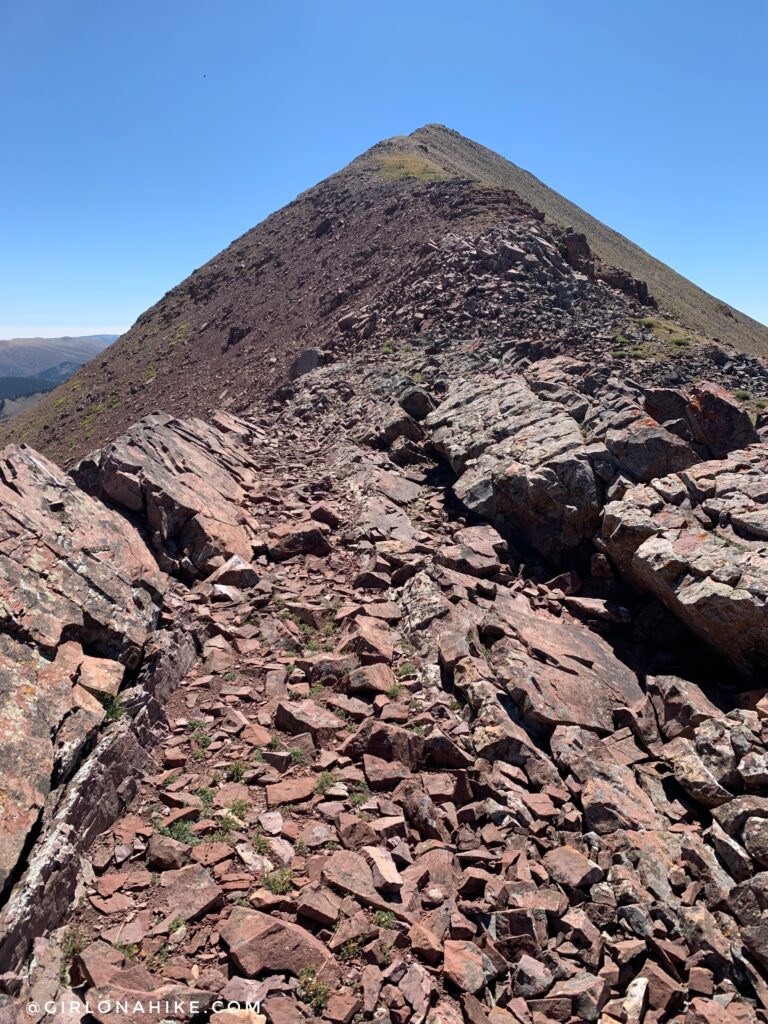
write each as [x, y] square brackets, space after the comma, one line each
[141, 138]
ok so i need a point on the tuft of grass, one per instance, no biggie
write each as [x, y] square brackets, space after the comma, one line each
[313, 992]
[407, 668]
[181, 831]
[350, 950]
[742, 396]
[260, 843]
[72, 943]
[236, 770]
[384, 919]
[206, 795]
[239, 808]
[324, 782]
[130, 950]
[279, 882]
[396, 166]
[112, 705]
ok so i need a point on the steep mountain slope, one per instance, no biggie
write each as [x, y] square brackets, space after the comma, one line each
[342, 266]
[692, 306]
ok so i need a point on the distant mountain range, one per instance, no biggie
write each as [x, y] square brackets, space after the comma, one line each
[49, 358]
[30, 367]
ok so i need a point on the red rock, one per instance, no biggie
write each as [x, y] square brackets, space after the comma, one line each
[463, 966]
[425, 944]
[292, 791]
[381, 774]
[306, 716]
[376, 678]
[342, 1007]
[319, 905]
[290, 539]
[664, 993]
[386, 877]
[259, 942]
[191, 892]
[586, 992]
[354, 832]
[570, 867]
[164, 853]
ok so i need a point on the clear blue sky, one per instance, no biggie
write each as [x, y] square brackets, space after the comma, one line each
[140, 137]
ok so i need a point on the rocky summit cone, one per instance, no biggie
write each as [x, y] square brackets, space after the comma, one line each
[393, 647]
[342, 263]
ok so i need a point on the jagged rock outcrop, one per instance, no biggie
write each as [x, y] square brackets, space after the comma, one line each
[188, 481]
[697, 541]
[79, 594]
[520, 462]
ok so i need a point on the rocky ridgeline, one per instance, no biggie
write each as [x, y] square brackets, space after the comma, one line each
[430, 691]
[531, 280]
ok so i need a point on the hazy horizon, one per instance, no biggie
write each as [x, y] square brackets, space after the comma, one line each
[11, 333]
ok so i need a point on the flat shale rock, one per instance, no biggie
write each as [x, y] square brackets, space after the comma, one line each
[188, 481]
[258, 942]
[561, 674]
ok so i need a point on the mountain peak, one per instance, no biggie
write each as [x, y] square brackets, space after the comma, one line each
[347, 252]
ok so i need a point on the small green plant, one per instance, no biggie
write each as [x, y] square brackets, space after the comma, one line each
[130, 950]
[151, 372]
[223, 833]
[313, 992]
[394, 691]
[160, 959]
[260, 843]
[206, 795]
[236, 770]
[297, 756]
[112, 705]
[275, 743]
[406, 669]
[181, 831]
[198, 734]
[387, 348]
[360, 794]
[258, 755]
[72, 943]
[279, 882]
[177, 924]
[384, 919]
[350, 950]
[743, 396]
[173, 777]
[239, 808]
[324, 782]
[418, 730]
[300, 847]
